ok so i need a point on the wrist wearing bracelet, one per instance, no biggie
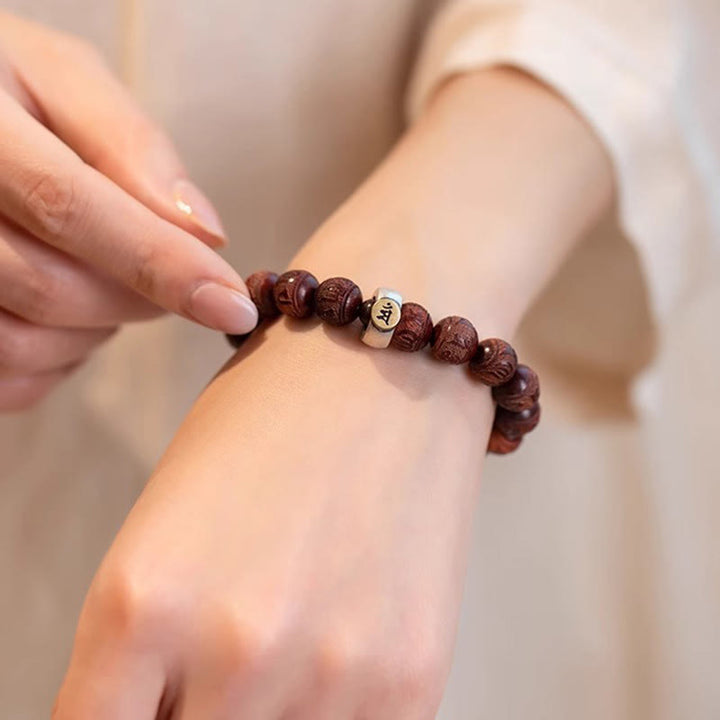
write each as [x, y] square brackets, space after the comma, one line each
[387, 321]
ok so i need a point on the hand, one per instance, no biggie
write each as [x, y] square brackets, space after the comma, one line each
[98, 222]
[299, 551]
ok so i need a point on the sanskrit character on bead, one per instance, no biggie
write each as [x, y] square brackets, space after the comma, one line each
[385, 313]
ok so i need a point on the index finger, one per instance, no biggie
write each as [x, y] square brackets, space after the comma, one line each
[47, 189]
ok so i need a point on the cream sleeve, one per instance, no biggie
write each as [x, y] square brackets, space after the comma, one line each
[637, 73]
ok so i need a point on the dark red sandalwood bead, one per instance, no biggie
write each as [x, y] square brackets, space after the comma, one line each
[521, 392]
[414, 330]
[454, 340]
[295, 293]
[501, 445]
[338, 301]
[261, 285]
[494, 363]
[365, 310]
[516, 424]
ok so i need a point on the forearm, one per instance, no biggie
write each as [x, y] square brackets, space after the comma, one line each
[471, 214]
[476, 208]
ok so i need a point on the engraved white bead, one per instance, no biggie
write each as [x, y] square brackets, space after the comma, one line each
[384, 317]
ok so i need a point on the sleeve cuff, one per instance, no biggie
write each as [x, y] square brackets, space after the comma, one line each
[660, 197]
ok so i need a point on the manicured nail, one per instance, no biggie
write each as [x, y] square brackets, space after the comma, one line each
[191, 202]
[223, 308]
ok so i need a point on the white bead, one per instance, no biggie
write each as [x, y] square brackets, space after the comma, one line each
[384, 317]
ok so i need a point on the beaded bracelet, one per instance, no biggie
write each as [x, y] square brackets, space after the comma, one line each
[388, 321]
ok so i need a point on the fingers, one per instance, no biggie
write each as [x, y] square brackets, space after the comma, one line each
[118, 687]
[34, 359]
[57, 198]
[21, 392]
[27, 349]
[90, 110]
[47, 287]
[116, 670]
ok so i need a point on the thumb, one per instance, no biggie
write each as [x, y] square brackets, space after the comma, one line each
[82, 102]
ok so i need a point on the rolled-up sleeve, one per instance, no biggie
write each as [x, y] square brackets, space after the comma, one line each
[623, 66]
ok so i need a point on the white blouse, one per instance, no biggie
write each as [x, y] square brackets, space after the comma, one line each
[594, 585]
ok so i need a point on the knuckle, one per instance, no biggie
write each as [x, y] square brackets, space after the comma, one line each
[338, 658]
[124, 604]
[144, 277]
[54, 204]
[245, 646]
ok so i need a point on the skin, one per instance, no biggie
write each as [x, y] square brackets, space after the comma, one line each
[77, 155]
[299, 552]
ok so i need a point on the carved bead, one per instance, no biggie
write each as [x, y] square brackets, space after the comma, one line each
[454, 340]
[414, 330]
[514, 425]
[521, 392]
[501, 445]
[337, 301]
[494, 363]
[365, 310]
[295, 293]
[261, 285]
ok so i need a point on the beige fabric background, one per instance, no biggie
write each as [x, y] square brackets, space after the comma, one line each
[594, 585]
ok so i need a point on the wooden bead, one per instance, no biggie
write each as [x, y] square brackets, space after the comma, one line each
[295, 293]
[365, 310]
[501, 445]
[414, 330]
[338, 301]
[261, 285]
[494, 363]
[454, 340]
[514, 425]
[521, 392]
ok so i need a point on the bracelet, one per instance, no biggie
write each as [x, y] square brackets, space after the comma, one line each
[388, 321]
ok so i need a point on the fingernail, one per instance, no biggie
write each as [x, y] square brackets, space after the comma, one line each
[191, 202]
[223, 308]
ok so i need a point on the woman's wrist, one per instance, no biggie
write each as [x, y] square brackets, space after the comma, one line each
[478, 205]
[448, 225]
